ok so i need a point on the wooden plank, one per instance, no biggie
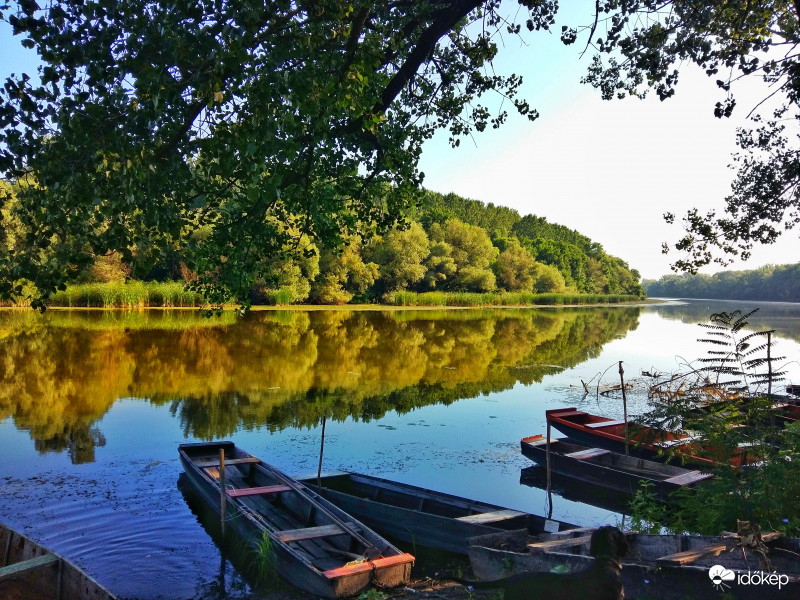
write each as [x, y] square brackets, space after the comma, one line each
[678, 442]
[688, 478]
[588, 453]
[204, 464]
[309, 533]
[561, 543]
[685, 558]
[257, 491]
[491, 517]
[604, 424]
[565, 533]
[369, 565]
[565, 413]
[28, 565]
[312, 477]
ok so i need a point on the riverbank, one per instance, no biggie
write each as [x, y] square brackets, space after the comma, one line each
[137, 295]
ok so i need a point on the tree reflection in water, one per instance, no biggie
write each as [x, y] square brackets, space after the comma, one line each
[61, 372]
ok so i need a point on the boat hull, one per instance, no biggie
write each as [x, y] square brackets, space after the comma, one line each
[420, 516]
[42, 582]
[644, 576]
[608, 469]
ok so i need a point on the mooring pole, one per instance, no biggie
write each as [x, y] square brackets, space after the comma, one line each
[222, 494]
[321, 448]
[549, 495]
[624, 404]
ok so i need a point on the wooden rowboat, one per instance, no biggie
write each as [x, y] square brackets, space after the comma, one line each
[645, 442]
[315, 545]
[29, 571]
[667, 567]
[421, 516]
[604, 468]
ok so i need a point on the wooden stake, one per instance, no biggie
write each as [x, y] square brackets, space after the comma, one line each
[222, 495]
[321, 448]
[624, 404]
[549, 495]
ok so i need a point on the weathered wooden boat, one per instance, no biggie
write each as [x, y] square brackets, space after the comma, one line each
[667, 567]
[604, 468]
[314, 544]
[643, 441]
[29, 571]
[420, 516]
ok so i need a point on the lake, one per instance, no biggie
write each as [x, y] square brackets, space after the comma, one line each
[94, 404]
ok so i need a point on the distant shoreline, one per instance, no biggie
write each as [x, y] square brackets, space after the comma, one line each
[344, 307]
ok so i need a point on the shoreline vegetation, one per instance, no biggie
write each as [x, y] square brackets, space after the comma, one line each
[135, 295]
[448, 251]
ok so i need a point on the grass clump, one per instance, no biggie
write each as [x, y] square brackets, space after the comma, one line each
[266, 562]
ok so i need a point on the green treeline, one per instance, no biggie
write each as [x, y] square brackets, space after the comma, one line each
[448, 245]
[774, 283]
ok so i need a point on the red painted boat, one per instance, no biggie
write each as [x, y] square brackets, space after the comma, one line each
[646, 442]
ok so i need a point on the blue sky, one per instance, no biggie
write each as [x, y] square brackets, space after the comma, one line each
[607, 169]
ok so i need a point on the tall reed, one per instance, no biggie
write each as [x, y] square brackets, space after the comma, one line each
[404, 298]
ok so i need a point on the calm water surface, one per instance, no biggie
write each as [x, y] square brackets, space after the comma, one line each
[94, 404]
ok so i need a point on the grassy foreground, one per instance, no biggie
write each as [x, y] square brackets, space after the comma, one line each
[135, 295]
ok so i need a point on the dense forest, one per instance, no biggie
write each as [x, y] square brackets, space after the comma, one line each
[776, 283]
[446, 244]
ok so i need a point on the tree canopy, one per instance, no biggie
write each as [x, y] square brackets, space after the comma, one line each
[153, 120]
[642, 44]
[234, 132]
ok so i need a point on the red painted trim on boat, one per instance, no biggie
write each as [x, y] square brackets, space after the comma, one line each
[369, 565]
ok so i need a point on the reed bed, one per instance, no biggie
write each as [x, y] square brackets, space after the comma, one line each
[500, 299]
[131, 295]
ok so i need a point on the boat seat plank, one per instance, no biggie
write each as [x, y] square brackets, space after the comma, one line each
[678, 442]
[308, 533]
[491, 517]
[604, 424]
[688, 478]
[560, 543]
[27, 565]
[685, 558]
[214, 462]
[258, 491]
[281, 519]
[566, 413]
[588, 453]
[569, 533]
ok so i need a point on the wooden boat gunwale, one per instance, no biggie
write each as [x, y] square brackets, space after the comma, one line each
[251, 515]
